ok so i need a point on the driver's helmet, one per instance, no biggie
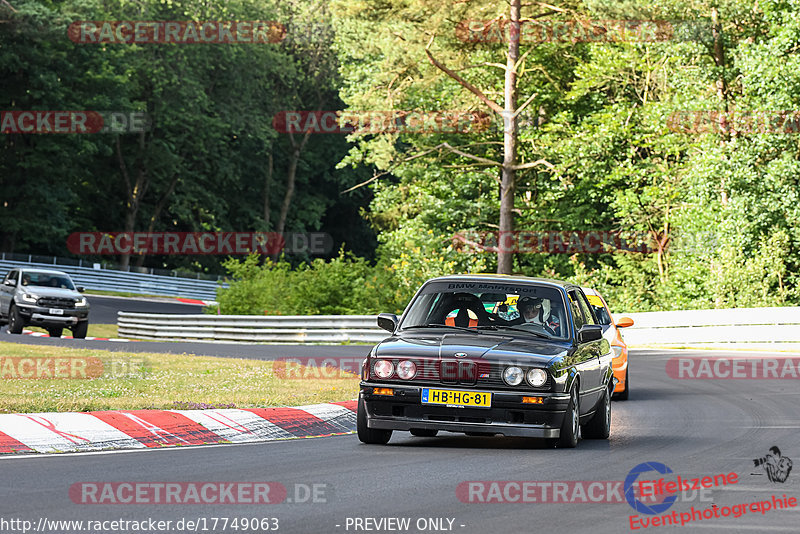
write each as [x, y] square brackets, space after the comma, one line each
[528, 303]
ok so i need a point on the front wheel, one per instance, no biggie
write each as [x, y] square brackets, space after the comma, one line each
[80, 329]
[569, 428]
[372, 436]
[599, 427]
[15, 322]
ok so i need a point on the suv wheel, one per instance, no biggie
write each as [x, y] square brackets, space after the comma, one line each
[80, 329]
[15, 321]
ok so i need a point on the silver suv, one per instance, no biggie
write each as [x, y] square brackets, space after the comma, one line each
[39, 297]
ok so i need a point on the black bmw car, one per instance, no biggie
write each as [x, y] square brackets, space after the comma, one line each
[490, 354]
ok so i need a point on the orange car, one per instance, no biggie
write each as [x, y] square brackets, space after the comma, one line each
[612, 332]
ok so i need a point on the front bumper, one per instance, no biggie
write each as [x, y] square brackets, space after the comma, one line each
[40, 316]
[507, 416]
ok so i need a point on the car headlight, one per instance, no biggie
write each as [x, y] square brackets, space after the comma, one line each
[29, 298]
[81, 302]
[536, 377]
[384, 368]
[513, 376]
[406, 369]
[617, 350]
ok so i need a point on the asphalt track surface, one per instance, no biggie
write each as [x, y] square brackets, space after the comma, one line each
[696, 427]
[103, 309]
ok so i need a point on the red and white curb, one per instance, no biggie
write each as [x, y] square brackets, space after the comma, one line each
[197, 301]
[43, 334]
[141, 429]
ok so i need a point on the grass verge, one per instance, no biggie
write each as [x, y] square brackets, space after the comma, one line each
[151, 381]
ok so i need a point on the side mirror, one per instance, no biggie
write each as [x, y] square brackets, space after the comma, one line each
[590, 332]
[388, 321]
[11, 282]
[624, 322]
[80, 289]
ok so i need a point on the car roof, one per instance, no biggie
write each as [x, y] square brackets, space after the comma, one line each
[504, 278]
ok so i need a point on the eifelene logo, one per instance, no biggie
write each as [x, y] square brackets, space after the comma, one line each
[777, 467]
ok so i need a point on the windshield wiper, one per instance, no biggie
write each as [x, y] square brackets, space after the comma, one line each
[462, 328]
[505, 327]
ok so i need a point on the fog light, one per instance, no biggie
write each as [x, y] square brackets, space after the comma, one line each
[537, 377]
[406, 369]
[532, 400]
[384, 368]
[513, 376]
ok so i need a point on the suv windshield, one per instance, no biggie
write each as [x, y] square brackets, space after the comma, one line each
[42, 279]
[498, 306]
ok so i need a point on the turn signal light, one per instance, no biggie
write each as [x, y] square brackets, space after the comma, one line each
[383, 391]
[532, 400]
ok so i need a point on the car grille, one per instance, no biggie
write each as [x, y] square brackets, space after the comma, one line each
[56, 302]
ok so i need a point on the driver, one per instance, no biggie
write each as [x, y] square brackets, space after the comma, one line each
[531, 311]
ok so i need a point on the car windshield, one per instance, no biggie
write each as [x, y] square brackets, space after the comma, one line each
[41, 279]
[483, 306]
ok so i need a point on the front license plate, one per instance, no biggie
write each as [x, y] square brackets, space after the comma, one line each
[473, 399]
[56, 311]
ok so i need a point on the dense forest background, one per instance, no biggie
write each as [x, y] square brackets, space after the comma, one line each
[597, 139]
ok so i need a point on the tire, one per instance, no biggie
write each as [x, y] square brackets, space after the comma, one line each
[15, 321]
[571, 425]
[623, 395]
[80, 329]
[55, 331]
[424, 432]
[372, 436]
[599, 427]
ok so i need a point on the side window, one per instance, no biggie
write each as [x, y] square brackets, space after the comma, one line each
[12, 275]
[574, 307]
[587, 310]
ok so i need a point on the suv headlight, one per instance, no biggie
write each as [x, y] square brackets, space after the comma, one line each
[27, 297]
[81, 302]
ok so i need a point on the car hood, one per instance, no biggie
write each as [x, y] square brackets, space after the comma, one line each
[489, 347]
[43, 291]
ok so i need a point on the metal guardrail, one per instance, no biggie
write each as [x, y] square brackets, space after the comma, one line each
[128, 282]
[756, 328]
[761, 328]
[252, 328]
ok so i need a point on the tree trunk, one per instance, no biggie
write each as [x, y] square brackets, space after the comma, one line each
[267, 183]
[722, 88]
[134, 193]
[505, 258]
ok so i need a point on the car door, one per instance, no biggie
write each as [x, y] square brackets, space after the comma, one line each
[588, 353]
[7, 291]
